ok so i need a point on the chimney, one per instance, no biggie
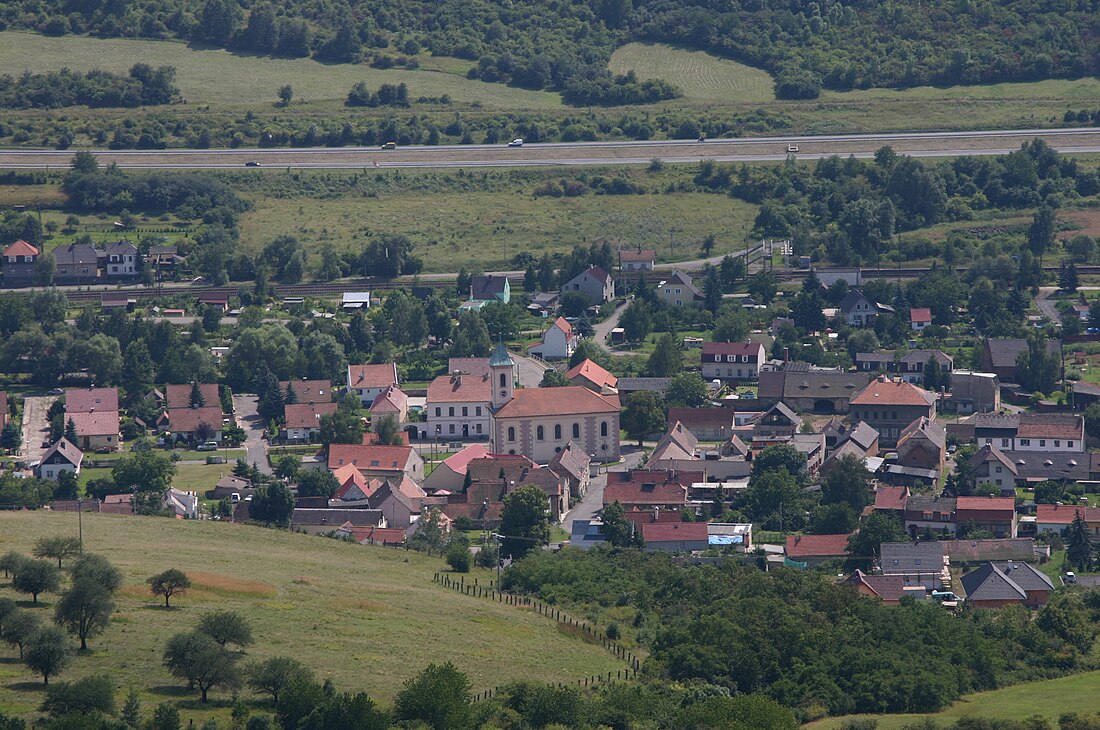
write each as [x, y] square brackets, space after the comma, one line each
[786, 355]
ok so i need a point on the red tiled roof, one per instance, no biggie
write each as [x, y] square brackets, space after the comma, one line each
[674, 531]
[309, 391]
[732, 348]
[186, 420]
[567, 400]
[384, 535]
[893, 393]
[307, 415]
[646, 254]
[891, 498]
[1050, 426]
[372, 376]
[460, 389]
[920, 314]
[101, 423]
[649, 487]
[364, 457]
[1062, 514]
[459, 461]
[390, 400]
[87, 400]
[984, 504]
[562, 324]
[179, 396]
[593, 372]
[21, 248]
[814, 546]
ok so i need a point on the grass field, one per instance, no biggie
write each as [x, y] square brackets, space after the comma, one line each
[1048, 699]
[700, 76]
[367, 617]
[222, 78]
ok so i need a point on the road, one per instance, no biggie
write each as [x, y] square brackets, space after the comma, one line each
[590, 505]
[36, 428]
[1046, 304]
[530, 370]
[244, 408]
[756, 149]
[603, 329]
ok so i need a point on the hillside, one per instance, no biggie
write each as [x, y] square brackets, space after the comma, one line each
[367, 617]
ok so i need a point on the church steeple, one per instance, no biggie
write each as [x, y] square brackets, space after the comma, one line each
[502, 367]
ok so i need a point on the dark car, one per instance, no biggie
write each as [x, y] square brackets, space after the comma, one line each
[252, 163]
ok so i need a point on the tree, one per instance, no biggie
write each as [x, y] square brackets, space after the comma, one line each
[273, 503]
[10, 437]
[457, 553]
[70, 431]
[666, 359]
[617, 529]
[1040, 235]
[1092, 422]
[524, 523]
[1079, 550]
[763, 287]
[288, 466]
[342, 427]
[58, 547]
[165, 717]
[848, 482]
[712, 291]
[85, 609]
[11, 560]
[47, 652]
[18, 627]
[273, 675]
[643, 415]
[196, 399]
[286, 93]
[573, 303]
[145, 471]
[589, 350]
[439, 697]
[131, 710]
[84, 163]
[637, 321]
[732, 325]
[226, 627]
[834, 519]
[388, 432]
[1037, 369]
[170, 583]
[877, 528]
[317, 483]
[553, 378]
[83, 697]
[779, 457]
[806, 310]
[686, 390]
[218, 21]
[1067, 277]
[36, 576]
[429, 532]
[199, 659]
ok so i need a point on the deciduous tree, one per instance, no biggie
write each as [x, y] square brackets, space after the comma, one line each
[171, 582]
[47, 652]
[36, 576]
[226, 627]
[57, 547]
[439, 697]
[524, 523]
[199, 659]
[273, 675]
[85, 609]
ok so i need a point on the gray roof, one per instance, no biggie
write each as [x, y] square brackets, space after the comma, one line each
[804, 383]
[684, 281]
[930, 429]
[334, 518]
[785, 410]
[1057, 465]
[572, 460]
[911, 471]
[1026, 576]
[1003, 352]
[851, 299]
[930, 504]
[629, 385]
[992, 453]
[912, 557]
[863, 435]
[989, 583]
[120, 248]
[487, 286]
[1008, 421]
[75, 253]
[923, 355]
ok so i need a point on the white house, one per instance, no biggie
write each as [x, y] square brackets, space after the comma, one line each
[732, 360]
[919, 318]
[594, 283]
[303, 420]
[62, 456]
[368, 381]
[640, 260]
[679, 291]
[121, 259]
[352, 301]
[558, 342]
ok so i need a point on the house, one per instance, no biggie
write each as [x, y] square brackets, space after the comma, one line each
[675, 537]
[989, 466]
[737, 535]
[94, 413]
[679, 291]
[812, 447]
[917, 563]
[539, 422]
[62, 456]
[400, 506]
[932, 514]
[494, 477]
[1057, 517]
[229, 485]
[367, 381]
[91, 400]
[814, 549]
[77, 263]
[891, 499]
[626, 386]
[993, 514]
[373, 460]
[778, 424]
[120, 260]
[391, 402]
[585, 534]
[705, 424]
[889, 589]
[184, 505]
[919, 318]
[805, 389]
[307, 391]
[370, 535]
[458, 406]
[302, 423]
[999, 356]
[889, 406]
[994, 585]
[558, 342]
[179, 396]
[677, 443]
[974, 392]
[859, 311]
[594, 283]
[324, 521]
[1032, 467]
[576, 466]
[192, 424]
[923, 445]
[736, 361]
[110, 301]
[544, 302]
[961, 552]
[592, 376]
[910, 366]
[353, 301]
[214, 300]
[490, 288]
[1043, 432]
[639, 260]
[450, 474]
[20, 264]
[646, 489]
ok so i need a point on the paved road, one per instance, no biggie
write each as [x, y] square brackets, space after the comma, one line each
[1046, 305]
[603, 329]
[589, 506]
[36, 429]
[764, 149]
[530, 370]
[244, 408]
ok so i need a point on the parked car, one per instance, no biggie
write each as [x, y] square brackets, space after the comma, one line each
[1071, 577]
[389, 146]
[792, 148]
[55, 391]
[208, 446]
[516, 143]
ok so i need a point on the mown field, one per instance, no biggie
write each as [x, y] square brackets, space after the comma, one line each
[367, 617]
[700, 76]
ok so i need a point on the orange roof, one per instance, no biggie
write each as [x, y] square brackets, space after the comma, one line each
[891, 498]
[307, 415]
[672, 531]
[390, 400]
[567, 400]
[21, 248]
[920, 314]
[186, 420]
[459, 461]
[562, 324]
[646, 254]
[1063, 514]
[372, 376]
[309, 391]
[986, 504]
[893, 393]
[812, 546]
[388, 458]
[593, 373]
[460, 389]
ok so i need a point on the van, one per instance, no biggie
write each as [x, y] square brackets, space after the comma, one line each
[792, 148]
[208, 446]
[389, 146]
[516, 143]
[235, 497]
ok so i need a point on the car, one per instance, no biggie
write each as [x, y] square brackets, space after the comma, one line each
[516, 143]
[208, 446]
[389, 146]
[952, 448]
[945, 596]
[198, 281]
[55, 391]
[792, 148]
[1071, 577]
[252, 163]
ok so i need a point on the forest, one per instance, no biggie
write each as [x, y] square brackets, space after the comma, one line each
[806, 46]
[143, 86]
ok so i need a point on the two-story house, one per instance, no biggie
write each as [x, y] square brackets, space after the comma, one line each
[889, 406]
[77, 263]
[910, 366]
[993, 514]
[490, 288]
[1045, 432]
[732, 361]
[936, 514]
[679, 291]
[989, 466]
[20, 264]
[558, 342]
[120, 260]
[923, 445]
[594, 283]
[458, 406]
[368, 381]
[640, 260]
[999, 356]
[63, 456]
[859, 311]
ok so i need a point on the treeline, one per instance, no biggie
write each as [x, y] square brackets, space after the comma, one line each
[800, 638]
[386, 95]
[143, 86]
[617, 91]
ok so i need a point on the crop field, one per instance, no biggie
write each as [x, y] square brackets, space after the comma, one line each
[218, 77]
[368, 617]
[699, 75]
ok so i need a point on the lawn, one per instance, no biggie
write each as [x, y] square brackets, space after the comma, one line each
[1049, 699]
[367, 617]
[698, 75]
[221, 78]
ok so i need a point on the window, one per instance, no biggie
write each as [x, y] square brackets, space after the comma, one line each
[477, 411]
[1069, 444]
[511, 433]
[1057, 443]
[451, 411]
[1004, 443]
[26, 260]
[999, 471]
[478, 428]
[557, 432]
[1042, 442]
[603, 428]
[540, 433]
[465, 411]
[438, 412]
[576, 430]
[1027, 442]
[503, 381]
[677, 291]
[452, 428]
[731, 358]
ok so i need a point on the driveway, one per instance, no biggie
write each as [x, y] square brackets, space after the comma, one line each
[36, 428]
[590, 506]
[1046, 305]
[603, 329]
[244, 408]
[530, 370]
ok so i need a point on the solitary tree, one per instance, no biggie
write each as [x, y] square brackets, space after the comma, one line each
[36, 576]
[85, 609]
[272, 676]
[11, 560]
[96, 568]
[199, 659]
[83, 697]
[644, 414]
[524, 522]
[286, 93]
[170, 583]
[18, 627]
[226, 627]
[58, 547]
[388, 431]
[47, 652]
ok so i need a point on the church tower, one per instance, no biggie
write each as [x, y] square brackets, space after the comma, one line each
[502, 374]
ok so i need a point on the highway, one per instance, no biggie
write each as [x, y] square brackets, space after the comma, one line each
[755, 149]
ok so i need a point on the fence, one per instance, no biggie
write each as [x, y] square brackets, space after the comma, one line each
[591, 633]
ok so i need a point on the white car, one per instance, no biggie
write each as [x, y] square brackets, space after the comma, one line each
[792, 148]
[516, 143]
[208, 446]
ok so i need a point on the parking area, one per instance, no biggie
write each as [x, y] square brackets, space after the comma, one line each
[36, 428]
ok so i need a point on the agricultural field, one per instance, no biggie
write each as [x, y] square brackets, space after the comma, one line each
[701, 77]
[368, 617]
